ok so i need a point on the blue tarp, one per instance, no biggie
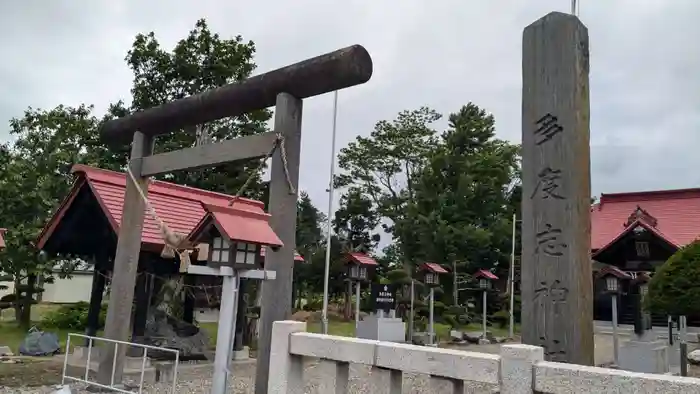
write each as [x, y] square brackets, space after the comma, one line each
[39, 343]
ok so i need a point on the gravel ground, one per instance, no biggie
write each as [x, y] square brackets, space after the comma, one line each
[243, 383]
[199, 380]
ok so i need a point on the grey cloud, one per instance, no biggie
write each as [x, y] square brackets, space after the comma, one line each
[645, 89]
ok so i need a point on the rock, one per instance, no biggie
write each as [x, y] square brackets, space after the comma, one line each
[5, 351]
[472, 337]
[62, 390]
[694, 357]
[484, 341]
[420, 338]
[456, 335]
[164, 331]
[501, 339]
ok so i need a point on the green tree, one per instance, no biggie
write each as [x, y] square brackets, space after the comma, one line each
[355, 221]
[383, 167]
[674, 288]
[354, 225]
[308, 277]
[48, 143]
[200, 61]
[35, 178]
[309, 235]
[463, 200]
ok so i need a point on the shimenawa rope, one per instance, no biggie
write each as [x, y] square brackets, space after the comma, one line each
[176, 243]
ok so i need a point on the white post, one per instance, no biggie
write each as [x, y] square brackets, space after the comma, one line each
[227, 322]
[327, 268]
[511, 285]
[289, 369]
[683, 344]
[431, 328]
[455, 291]
[616, 343]
[237, 282]
[484, 313]
[410, 315]
[669, 320]
[357, 306]
[517, 368]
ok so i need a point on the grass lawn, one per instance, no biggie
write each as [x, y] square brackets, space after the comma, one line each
[11, 335]
[47, 371]
[347, 329]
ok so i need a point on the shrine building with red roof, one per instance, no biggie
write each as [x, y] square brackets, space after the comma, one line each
[638, 231]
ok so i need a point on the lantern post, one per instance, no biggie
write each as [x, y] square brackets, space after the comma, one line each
[358, 267]
[485, 279]
[431, 277]
[613, 285]
[232, 254]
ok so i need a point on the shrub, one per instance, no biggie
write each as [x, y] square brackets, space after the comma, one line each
[72, 317]
[674, 288]
[314, 304]
[451, 320]
[501, 318]
[439, 308]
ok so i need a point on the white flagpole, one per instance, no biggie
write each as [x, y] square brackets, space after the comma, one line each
[511, 284]
[324, 316]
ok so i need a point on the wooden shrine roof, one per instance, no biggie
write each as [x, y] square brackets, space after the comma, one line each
[672, 215]
[180, 207]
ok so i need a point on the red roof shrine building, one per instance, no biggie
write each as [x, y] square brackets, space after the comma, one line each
[86, 224]
[636, 232]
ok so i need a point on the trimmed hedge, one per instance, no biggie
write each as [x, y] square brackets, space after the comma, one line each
[674, 288]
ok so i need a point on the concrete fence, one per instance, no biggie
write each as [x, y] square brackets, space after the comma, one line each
[519, 369]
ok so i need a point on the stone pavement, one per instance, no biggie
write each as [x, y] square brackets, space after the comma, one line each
[603, 348]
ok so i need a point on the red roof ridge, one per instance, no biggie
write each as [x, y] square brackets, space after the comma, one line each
[654, 194]
[360, 258]
[485, 274]
[239, 209]
[58, 212]
[173, 189]
[433, 267]
[630, 227]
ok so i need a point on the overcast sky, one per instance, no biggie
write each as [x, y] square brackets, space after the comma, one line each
[645, 67]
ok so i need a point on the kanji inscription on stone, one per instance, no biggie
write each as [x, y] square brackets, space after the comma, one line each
[548, 184]
[556, 278]
[547, 127]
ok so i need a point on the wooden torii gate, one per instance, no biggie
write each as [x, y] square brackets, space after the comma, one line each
[285, 88]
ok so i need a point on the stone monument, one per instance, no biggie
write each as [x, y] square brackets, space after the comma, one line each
[645, 352]
[382, 324]
[557, 285]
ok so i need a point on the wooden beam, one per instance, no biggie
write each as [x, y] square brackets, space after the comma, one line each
[277, 299]
[126, 261]
[326, 73]
[557, 288]
[227, 271]
[249, 147]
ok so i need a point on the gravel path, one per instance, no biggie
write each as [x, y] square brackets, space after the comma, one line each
[199, 381]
